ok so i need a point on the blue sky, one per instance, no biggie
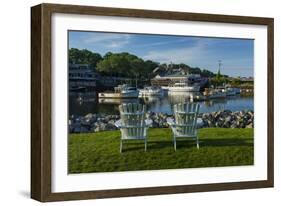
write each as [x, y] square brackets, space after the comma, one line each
[237, 55]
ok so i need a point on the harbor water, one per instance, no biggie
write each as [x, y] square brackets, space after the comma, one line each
[88, 102]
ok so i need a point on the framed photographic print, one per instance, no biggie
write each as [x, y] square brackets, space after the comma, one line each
[130, 102]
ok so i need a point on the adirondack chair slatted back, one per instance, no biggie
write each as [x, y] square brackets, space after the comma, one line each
[133, 120]
[186, 118]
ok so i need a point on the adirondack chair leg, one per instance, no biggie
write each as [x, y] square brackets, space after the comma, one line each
[197, 142]
[121, 145]
[175, 143]
[145, 144]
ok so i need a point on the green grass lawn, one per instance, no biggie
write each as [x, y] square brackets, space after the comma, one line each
[99, 152]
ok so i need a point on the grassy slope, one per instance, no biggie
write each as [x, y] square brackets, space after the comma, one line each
[99, 152]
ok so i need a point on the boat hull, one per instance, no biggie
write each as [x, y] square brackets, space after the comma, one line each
[134, 94]
[151, 93]
[230, 93]
[197, 97]
[183, 89]
[217, 96]
[117, 100]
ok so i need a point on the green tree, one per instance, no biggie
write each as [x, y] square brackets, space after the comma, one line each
[207, 73]
[149, 66]
[218, 76]
[236, 82]
[83, 56]
[122, 64]
[129, 65]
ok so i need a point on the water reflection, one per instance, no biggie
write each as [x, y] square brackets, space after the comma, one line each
[84, 103]
[178, 97]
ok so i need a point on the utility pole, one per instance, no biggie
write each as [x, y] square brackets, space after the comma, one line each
[218, 77]
[220, 64]
[219, 72]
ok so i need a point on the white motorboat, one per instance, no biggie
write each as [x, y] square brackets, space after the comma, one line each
[117, 100]
[230, 92]
[182, 87]
[122, 91]
[217, 94]
[151, 91]
[197, 97]
[214, 93]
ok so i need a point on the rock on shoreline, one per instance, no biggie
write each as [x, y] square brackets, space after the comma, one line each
[228, 119]
[101, 122]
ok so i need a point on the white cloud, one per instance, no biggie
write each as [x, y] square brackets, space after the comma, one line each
[180, 55]
[160, 43]
[107, 40]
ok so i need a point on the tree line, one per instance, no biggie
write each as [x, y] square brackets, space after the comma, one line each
[128, 65]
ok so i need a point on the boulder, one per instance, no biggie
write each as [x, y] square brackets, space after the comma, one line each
[250, 125]
[100, 127]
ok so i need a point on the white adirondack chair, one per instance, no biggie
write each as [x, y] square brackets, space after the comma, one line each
[184, 125]
[132, 124]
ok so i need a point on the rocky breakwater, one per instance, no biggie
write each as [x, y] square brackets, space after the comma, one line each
[228, 119]
[159, 120]
[102, 122]
[92, 123]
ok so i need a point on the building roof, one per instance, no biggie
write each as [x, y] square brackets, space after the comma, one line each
[79, 66]
[177, 75]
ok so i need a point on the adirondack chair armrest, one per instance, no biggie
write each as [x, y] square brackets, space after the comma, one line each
[135, 113]
[170, 121]
[148, 122]
[118, 124]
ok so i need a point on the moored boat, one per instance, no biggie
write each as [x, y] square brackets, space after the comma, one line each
[230, 92]
[151, 91]
[182, 87]
[237, 90]
[122, 91]
[197, 97]
[117, 101]
[214, 93]
[217, 94]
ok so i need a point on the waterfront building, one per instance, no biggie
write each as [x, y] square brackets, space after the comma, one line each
[167, 80]
[81, 77]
